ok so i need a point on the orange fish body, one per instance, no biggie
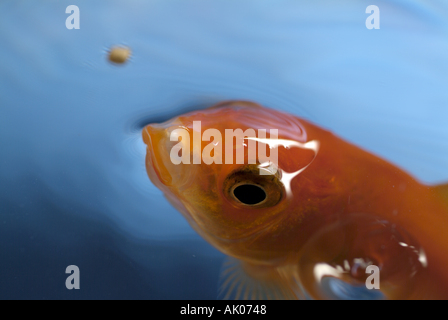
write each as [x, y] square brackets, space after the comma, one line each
[327, 209]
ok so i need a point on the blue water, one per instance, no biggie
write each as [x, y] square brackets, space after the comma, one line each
[73, 187]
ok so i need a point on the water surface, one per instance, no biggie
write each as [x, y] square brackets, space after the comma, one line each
[73, 185]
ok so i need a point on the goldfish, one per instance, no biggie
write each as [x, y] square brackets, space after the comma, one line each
[321, 219]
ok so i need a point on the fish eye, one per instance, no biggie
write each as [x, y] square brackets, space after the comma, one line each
[249, 194]
[246, 187]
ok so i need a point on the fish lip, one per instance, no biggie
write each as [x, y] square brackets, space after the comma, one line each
[155, 174]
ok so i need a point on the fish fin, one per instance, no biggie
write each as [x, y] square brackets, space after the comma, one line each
[442, 192]
[245, 281]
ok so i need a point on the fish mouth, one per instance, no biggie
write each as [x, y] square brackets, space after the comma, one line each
[157, 171]
[162, 169]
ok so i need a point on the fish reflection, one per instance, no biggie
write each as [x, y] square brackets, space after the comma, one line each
[314, 221]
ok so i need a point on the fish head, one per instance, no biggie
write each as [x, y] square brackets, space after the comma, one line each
[228, 194]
